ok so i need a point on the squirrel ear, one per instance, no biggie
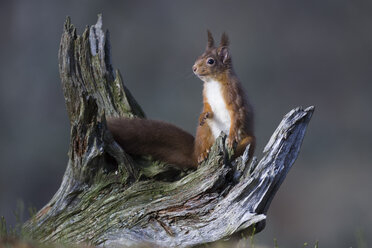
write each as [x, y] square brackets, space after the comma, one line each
[224, 40]
[210, 43]
[224, 53]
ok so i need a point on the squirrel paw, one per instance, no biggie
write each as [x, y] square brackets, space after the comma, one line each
[203, 117]
[203, 156]
[232, 141]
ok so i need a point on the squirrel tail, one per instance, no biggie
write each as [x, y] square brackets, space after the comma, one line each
[163, 141]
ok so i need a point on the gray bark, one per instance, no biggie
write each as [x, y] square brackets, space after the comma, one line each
[108, 199]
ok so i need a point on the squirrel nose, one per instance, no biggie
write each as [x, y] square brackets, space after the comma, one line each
[194, 68]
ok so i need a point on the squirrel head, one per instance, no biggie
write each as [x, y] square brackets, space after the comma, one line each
[215, 61]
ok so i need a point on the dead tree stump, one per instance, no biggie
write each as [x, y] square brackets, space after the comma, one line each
[106, 198]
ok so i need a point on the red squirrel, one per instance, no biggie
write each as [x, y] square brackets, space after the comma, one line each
[226, 108]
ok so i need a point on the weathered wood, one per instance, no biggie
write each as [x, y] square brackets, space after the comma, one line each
[108, 199]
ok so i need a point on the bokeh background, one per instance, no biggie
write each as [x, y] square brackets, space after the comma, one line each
[286, 53]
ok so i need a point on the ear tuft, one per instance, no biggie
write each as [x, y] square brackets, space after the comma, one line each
[224, 40]
[210, 43]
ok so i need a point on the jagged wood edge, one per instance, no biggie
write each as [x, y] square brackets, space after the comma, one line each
[107, 205]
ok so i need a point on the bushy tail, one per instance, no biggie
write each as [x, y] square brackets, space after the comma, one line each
[163, 141]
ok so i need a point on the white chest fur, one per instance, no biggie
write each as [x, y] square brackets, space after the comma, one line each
[221, 117]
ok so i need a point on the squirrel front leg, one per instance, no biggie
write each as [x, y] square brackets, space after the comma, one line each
[207, 114]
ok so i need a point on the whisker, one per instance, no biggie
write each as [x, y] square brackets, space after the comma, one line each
[189, 75]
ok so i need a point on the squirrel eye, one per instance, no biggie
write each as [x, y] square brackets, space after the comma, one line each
[210, 61]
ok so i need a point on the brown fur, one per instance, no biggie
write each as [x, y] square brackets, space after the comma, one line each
[163, 141]
[241, 113]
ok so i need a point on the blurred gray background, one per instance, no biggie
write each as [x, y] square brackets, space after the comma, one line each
[286, 53]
